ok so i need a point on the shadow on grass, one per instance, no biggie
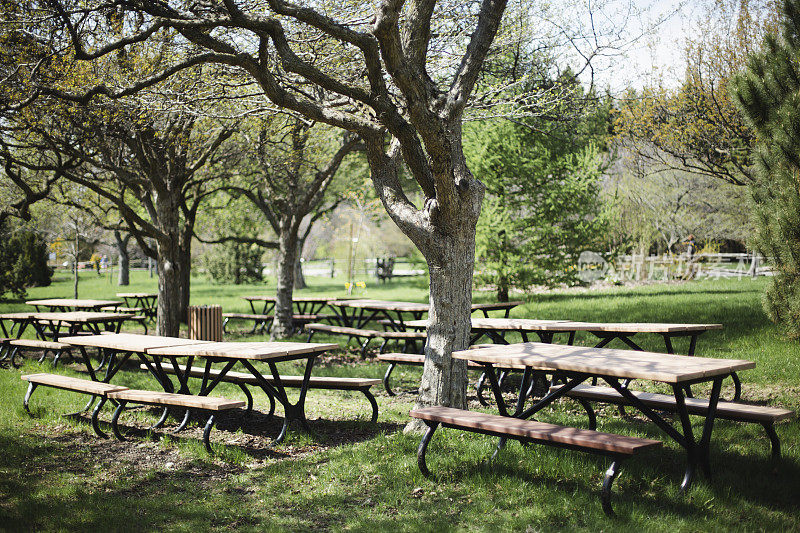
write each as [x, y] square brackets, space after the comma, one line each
[253, 434]
[52, 485]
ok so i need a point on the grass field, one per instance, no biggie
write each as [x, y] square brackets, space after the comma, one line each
[354, 475]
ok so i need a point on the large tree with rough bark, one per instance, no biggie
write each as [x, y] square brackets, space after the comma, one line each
[148, 168]
[289, 165]
[387, 74]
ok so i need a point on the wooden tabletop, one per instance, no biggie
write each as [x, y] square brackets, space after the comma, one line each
[384, 305]
[17, 316]
[525, 324]
[71, 302]
[137, 295]
[128, 342]
[245, 350]
[492, 306]
[606, 362]
[80, 316]
[410, 307]
[273, 298]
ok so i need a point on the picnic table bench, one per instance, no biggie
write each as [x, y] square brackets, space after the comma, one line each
[56, 348]
[304, 305]
[48, 325]
[122, 395]
[211, 405]
[617, 447]
[143, 302]
[411, 359]
[409, 338]
[265, 321]
[72, 304]
[243, 379]
[358, 312]
[738, 412]
[576, 365]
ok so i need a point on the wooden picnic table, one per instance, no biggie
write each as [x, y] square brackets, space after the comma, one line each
[358, 312]
[48, 325]
[121, 346]
[306, 305]
[497, 328]
[69, 304]
[144, 300]
[18, 320]
[245, 353]
[577, 364]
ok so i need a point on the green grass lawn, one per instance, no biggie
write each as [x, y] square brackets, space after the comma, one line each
[354, 475]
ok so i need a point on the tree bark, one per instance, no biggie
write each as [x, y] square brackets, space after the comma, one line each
[444, 380]
[172, 268]
[124, 259]
[168, 319]
[502, 289]
[75, 265]
[299, 279]
[186, 277]
[287, 257]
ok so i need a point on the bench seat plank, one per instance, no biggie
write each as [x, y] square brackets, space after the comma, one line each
[35, 343]
[182, 400]
[413, 359]
[74, 384]
[535, 431]
[695, 406]
[315, 382]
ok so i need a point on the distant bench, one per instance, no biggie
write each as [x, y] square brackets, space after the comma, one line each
[123, 395]
[15, 346]
[617, 447]
[410, 337]
[412, 359]
[242, 379]
[738, 412]
[298, 321]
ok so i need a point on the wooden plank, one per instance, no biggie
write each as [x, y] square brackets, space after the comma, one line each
[81, 316]
[531, 429]
[72, 302]
[17, 316]
[273, 298]
[413, 359]
[209, 403]
[343, 330]
[34, 343]
[245, 350]
[128, 342]
[495, 306]
[695, 406]
[315, 382]
[604, 361]
[525, 324]
[75, 384]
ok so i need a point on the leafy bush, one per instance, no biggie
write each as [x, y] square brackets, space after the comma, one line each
[234, 263]
[23, 261]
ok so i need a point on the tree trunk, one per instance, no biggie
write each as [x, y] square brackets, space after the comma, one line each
[444, 380]
[124, 259]
[299, 279]
[170, 264]
[185, 280]
[75, 266]
[168, 320]
[287, 257]
[502, 289]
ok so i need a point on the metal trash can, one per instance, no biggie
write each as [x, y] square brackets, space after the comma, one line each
[205, 322]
